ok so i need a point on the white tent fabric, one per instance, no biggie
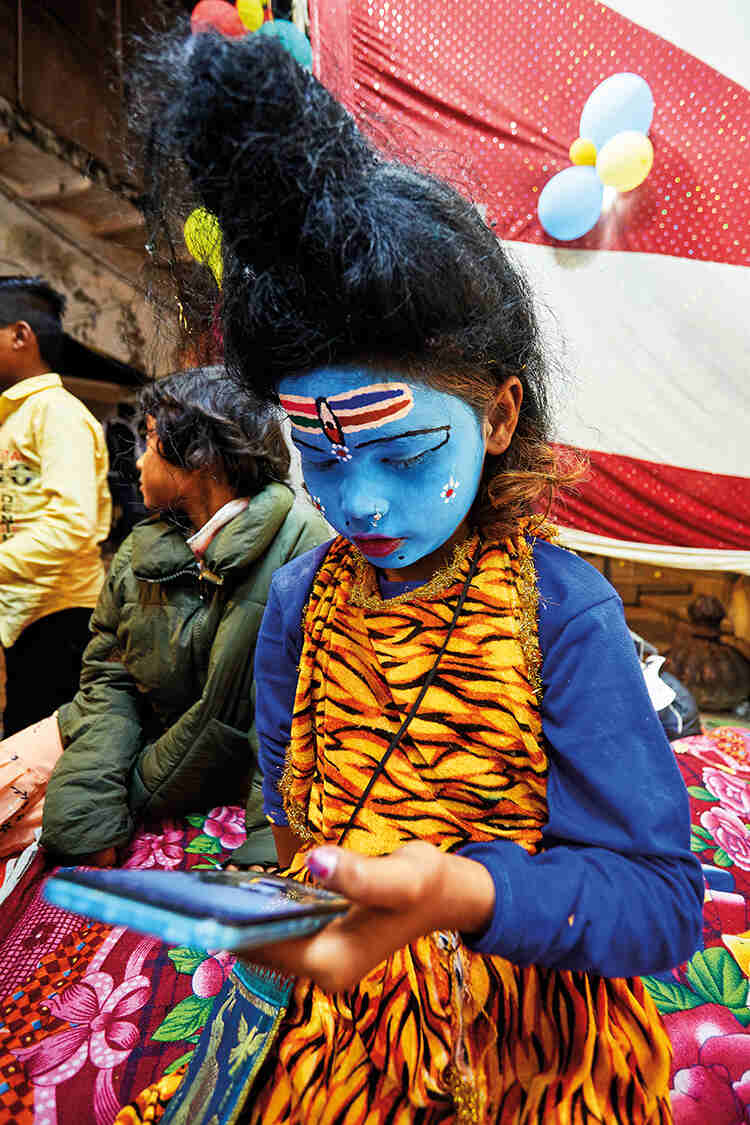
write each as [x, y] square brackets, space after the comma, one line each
[653, 304]
[658, 354]
[694, 316]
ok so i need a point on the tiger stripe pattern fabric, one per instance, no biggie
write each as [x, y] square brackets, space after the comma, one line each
[438, 1033]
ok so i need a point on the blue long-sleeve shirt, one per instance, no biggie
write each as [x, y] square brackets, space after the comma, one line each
[616, 890]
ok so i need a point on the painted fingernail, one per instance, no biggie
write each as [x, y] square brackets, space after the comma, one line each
[321, 862]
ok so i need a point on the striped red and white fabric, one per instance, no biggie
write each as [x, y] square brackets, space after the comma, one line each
[650, 309]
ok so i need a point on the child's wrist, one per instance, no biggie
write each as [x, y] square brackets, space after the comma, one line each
[467, 894]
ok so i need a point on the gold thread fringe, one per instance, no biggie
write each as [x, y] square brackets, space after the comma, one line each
[539, 527]
[528, 632]
[364, 587]
[465, 1098]
[295, 813]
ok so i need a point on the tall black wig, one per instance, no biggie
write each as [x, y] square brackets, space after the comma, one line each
[332, 253]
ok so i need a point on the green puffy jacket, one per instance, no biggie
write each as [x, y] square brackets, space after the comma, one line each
[160, 723]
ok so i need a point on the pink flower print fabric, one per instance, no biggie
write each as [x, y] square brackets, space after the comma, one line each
[732, 792]
[711, 1067]
[99, 1032]
[227, 824]
[165, 851]
[730, 833]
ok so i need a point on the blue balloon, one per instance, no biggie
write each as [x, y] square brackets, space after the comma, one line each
[619, 103]
[291, 37]
[571, 202]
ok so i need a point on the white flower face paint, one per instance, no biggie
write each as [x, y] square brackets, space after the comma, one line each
[448, 493]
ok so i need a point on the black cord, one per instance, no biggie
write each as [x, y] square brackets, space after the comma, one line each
[415, 705]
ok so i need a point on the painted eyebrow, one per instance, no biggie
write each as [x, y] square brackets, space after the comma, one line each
[408, 433]
[394, 437]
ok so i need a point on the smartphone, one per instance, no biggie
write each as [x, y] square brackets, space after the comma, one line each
[231, 910]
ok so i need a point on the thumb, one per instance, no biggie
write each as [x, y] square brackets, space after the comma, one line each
[394, 881]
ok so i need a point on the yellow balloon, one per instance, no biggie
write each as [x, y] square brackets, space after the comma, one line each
[625, 160]
[251, 13]
[582, 151]
[202, 235]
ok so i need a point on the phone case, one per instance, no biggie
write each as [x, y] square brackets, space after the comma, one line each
[204, 909]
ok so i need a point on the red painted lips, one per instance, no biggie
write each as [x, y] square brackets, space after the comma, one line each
[376, 546]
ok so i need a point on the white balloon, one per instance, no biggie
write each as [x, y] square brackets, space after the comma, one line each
[621, 103]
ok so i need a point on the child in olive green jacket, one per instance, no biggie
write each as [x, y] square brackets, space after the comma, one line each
[161, 722]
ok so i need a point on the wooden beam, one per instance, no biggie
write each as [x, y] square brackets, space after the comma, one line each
[88, 248]
[14, 185]
[71, 153]
[55, 191]
[118, 224]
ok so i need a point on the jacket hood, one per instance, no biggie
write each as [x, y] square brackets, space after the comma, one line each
[160, 550]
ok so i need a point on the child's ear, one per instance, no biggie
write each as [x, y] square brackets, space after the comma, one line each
[502, 416]
[22, 335]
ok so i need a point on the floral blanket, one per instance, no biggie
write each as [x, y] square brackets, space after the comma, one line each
[705, 1004]
[91, 1014]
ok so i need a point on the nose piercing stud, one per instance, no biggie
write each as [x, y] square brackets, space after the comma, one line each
[375, 518]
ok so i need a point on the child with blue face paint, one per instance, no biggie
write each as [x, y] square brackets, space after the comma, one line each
[397, 469]
[430, 683]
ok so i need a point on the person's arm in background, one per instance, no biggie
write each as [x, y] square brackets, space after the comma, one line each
[68, 456]
[276, 662]
[86, 807]
[276, 659]
[303, 552]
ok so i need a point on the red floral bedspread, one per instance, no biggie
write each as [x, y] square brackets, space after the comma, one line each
[705, 1004]
[91, 1014]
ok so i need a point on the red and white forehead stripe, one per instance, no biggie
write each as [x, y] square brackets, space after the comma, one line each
[365, 408]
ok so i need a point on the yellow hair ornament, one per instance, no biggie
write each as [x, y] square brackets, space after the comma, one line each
[202, 235]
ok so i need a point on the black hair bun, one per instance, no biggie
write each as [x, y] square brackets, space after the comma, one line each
[332, 252]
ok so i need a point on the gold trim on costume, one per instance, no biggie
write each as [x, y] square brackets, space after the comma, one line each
[365, 593]
[528, 597]
[465, 1098]
[295, 813]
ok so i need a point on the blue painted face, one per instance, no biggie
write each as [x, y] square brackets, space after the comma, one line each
[394, 465]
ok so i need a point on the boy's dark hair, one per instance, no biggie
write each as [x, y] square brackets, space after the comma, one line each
[34, 300]
[204, 420]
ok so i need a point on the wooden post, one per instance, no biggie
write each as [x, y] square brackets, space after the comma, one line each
[19, 52]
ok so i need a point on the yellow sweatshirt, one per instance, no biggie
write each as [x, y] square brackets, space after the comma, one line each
[55, 506]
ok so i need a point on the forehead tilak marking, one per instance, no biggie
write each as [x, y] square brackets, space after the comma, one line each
[363, 408]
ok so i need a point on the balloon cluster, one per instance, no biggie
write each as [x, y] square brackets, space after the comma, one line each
[612, 150]
[202, 232]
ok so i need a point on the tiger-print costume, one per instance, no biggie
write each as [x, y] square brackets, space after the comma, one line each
[438, 1033]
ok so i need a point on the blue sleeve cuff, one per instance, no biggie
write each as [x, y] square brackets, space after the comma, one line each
[505, 861]
[573, 908]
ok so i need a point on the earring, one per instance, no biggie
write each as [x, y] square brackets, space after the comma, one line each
[375, 518]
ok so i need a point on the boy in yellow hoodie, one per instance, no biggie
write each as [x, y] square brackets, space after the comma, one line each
[55, 507]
